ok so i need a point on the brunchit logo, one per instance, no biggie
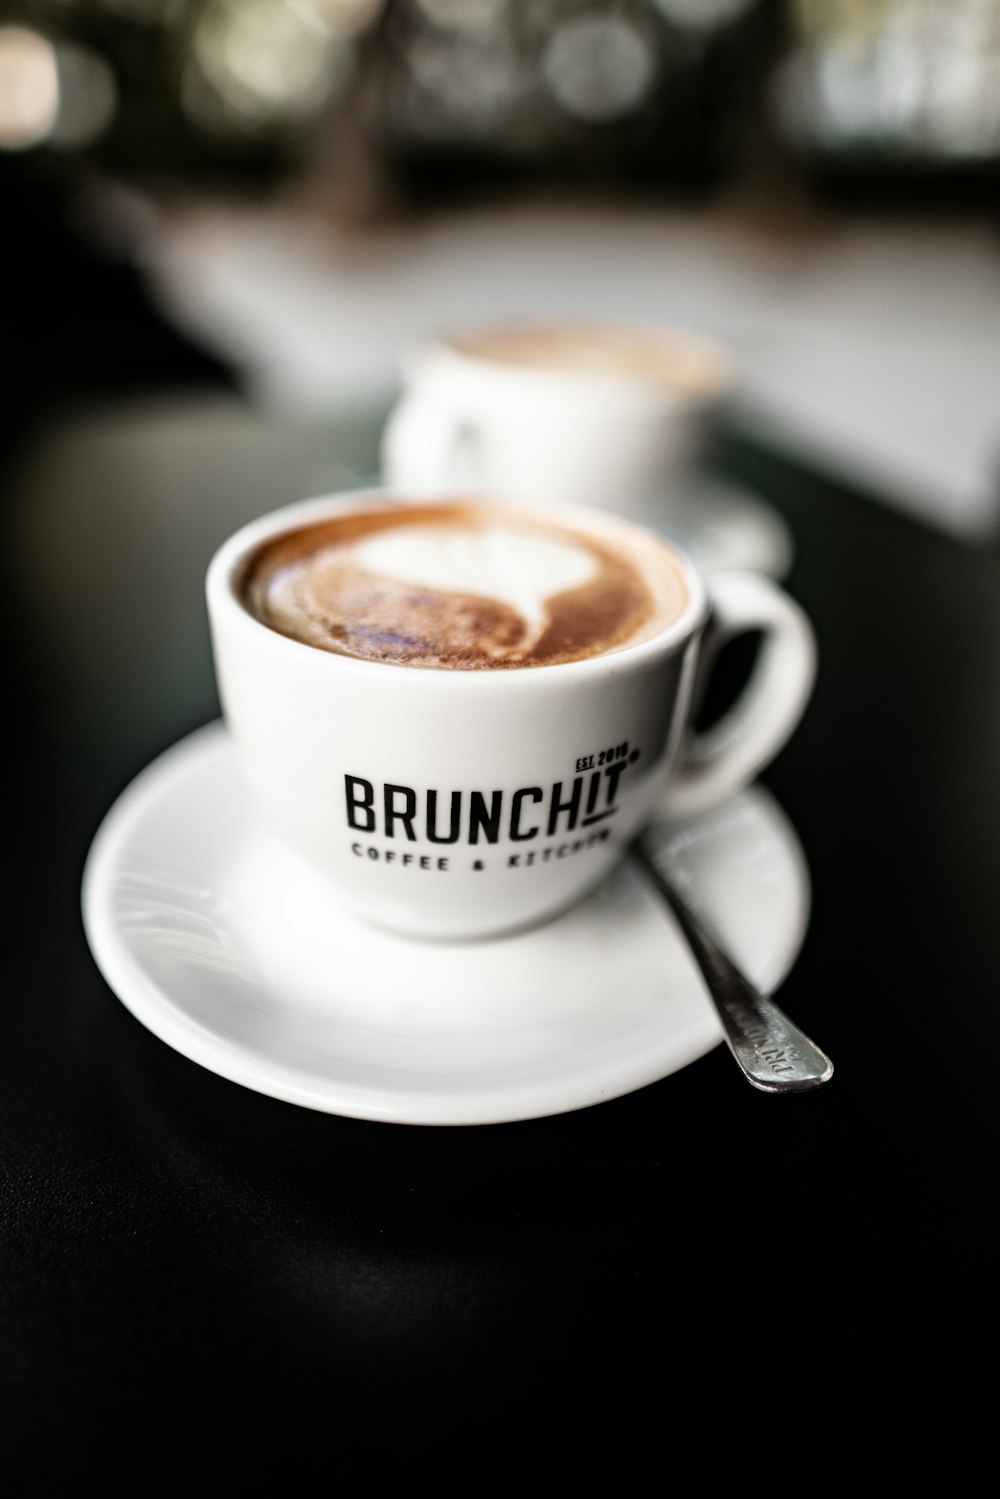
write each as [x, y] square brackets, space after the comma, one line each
[581, 806]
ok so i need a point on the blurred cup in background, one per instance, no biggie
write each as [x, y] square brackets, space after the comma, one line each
[587, 413]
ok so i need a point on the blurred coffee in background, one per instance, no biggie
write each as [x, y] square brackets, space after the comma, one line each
[606, 414]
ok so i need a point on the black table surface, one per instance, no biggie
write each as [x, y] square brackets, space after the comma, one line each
[199, 1279]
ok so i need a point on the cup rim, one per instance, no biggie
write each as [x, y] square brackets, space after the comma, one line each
[440, 350]
[225, 567]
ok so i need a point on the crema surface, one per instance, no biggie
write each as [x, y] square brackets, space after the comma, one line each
[671, 362]
[461, 587]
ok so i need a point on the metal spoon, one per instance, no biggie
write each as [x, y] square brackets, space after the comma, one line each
[772, 1053]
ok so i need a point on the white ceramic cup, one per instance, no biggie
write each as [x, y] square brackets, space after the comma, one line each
[465, 803]
[585, 433]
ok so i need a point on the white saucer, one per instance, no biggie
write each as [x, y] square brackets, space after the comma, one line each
[720, 526]
[226, 947]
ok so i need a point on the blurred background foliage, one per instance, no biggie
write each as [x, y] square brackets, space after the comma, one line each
[375, 107]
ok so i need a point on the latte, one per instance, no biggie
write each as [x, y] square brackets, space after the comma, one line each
[463, 586]
[679, 361]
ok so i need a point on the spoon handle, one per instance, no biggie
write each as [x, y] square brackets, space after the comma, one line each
[773, 1054]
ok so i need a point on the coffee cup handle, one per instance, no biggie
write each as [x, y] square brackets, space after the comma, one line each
[428, 444]
[720, 760]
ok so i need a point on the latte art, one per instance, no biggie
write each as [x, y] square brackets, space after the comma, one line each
[513, 567]
[459, 586]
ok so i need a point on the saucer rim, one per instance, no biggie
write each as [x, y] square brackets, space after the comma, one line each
[748, 511]
[151, 1004]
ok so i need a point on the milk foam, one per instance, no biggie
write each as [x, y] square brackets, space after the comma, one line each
[681, 362]
[465, 587]
[516, 568]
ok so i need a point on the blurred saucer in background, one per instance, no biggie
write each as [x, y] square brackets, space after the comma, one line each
[721, 526]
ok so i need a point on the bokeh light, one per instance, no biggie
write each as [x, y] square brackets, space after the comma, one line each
[599, 68]
[463, 83]
[88, 97]
[265, 61]
[702, 15]
[918, 78]
[339, 16]
[460, 15]
[29, 88]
